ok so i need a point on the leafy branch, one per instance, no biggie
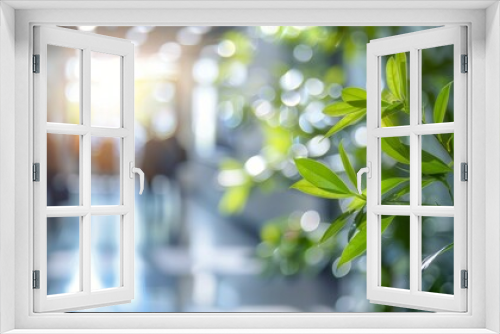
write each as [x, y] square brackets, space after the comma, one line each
[318, 180]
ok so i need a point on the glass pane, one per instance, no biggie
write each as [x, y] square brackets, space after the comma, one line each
[437, 169]
[105, 91]
[105, 171]
[395, 170]
[63, 255]
[395, 83]
[63, 85]
[395, 251]
[105, 252]
[437, 84]
[63, 165]
[437, 254]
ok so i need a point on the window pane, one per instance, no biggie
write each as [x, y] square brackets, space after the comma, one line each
[437, 169]
[63, 255]
[63, 85]
[395, 84]
[105, 171]
[63, 165]
[105, 252]
[437, 254]
[437, 84]
[105, 91]
[395, 170]
[395, 251]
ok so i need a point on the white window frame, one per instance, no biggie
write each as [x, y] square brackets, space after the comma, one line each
[413, 44]
[85, 43]
[484, 102]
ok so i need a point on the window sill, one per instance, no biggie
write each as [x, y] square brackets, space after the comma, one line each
[249, 331]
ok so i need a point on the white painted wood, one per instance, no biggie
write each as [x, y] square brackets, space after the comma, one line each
[110, 132]
[406, 130]
[413, 43]
[87, 297]
[85, 173]
[127, 156]
[407, 210]
[372, 156]
[432, 128]
[461, 155]
[491, 162]
[470, 322]
[77, 129]
[245, 4]
[77, 211]
[256, 331]
[7, 167]
[415, 168]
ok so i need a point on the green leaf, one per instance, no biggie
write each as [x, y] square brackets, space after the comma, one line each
[357, 202]
[450, 144]
[277, 139]
[387, 97]
[321, 176]
[340, 109]
[386, 222]
[350, 119]
[359, 220]
[391, 183]
[402, 67]
[357, 245]
[429, 259]
[442, 103]
[406, 189]
[400, 152]
[271, 232]
[308, 188]
[234, 199]
[394, 148]
[396, 76]
[336, 226]
[392, 109]
[393, 78]
[387, 122]
[228, 164]
[433, 165]
[355, 248]
[354, 96]
[347, 165]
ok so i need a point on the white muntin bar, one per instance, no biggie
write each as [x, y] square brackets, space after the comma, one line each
[415, 167]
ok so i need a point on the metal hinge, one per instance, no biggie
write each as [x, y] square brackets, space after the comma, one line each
[36, 172]
[465, 279]
[36, 63]
[36, 279]
[464, 171]
[465, 64]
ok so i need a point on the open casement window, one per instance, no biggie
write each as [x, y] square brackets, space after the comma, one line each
[417, 138]
[84, 164]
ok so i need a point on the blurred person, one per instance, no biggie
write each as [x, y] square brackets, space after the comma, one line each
[162, 158]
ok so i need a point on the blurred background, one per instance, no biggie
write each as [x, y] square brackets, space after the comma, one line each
[221, 112]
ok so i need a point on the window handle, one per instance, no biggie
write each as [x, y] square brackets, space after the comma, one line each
[368, 171]
[136, 170]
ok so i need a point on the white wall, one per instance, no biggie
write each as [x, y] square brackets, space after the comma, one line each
[7, 160]
[492, 148]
